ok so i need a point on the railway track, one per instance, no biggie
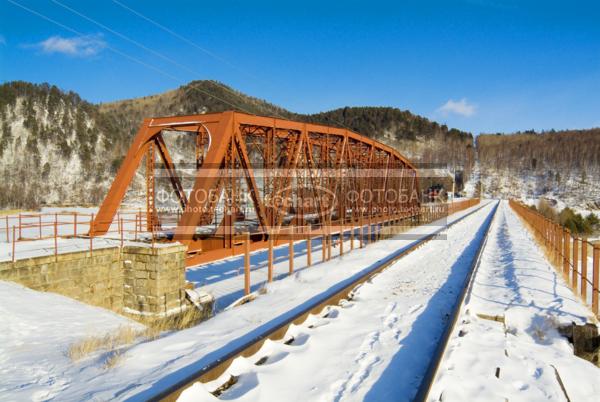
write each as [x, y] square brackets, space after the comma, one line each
[344, 291]
[426, 383]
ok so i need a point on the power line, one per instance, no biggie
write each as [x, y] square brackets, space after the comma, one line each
[122, 36]
[131, 58]
[154, 52]
[189, 42]
[178, 36]
[38, 14]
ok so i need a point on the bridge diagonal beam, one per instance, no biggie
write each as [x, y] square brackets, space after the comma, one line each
[170, 168]
[250, 180]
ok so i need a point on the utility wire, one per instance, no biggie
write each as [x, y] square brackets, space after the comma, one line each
[178, 36]
[154, 52]
[191, 43]
[147, 65]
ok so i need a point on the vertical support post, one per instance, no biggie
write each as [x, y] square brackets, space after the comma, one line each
[40, 225]
[595, 274]
[552, 242]
[135, 230]
[75, 224]
[360, 231]
[323, 244]
[270, 258]
[91, 236]
[584, 261]
[13, 243]
[247, 264]
[566, 253]
[329, 241]
[55, 238]
[165, 299]
[150, 187]
[121, 230]
[20, 231]
[342, 238]
[559, 244]
[575, 264]
[291, 251]
[308, 249]
[7, 232]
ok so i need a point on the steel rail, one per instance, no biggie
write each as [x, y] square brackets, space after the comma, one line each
[434, 364]
[276, 331]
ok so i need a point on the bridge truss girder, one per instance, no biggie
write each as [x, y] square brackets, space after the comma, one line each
[294, 159]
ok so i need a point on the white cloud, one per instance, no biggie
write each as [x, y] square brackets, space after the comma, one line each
[461, 107]
[82, 46]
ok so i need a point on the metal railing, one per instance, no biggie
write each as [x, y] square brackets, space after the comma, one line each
[27, 229]
[365, 231]
[571, 255]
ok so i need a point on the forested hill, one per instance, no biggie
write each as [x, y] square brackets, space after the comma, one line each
[57, 148]
[562, 165]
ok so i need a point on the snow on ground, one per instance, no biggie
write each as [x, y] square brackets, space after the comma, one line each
[37, 329]
[376, 346]
[515, 281]
[148, 366]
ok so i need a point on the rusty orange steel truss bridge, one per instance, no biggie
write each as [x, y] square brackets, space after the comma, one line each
[262, 175]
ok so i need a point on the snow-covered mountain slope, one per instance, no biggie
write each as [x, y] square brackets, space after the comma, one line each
[54, 147]
[561, 166]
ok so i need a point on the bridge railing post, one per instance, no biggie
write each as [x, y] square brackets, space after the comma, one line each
[14, 239]
[121, 231]
[566, 253]
[575, 272]
[291, 250]
[247, 263]
[270, 259]
[55, 238]
[341, 238]
[584, 263]
[360, 231]
[329, 240]
[308, 247]
[595, 278]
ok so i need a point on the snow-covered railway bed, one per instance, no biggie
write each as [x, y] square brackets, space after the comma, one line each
[147, 369]
[373, 339]
[506, 344]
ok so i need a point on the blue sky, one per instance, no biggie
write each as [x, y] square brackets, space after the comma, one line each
[478, 65]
